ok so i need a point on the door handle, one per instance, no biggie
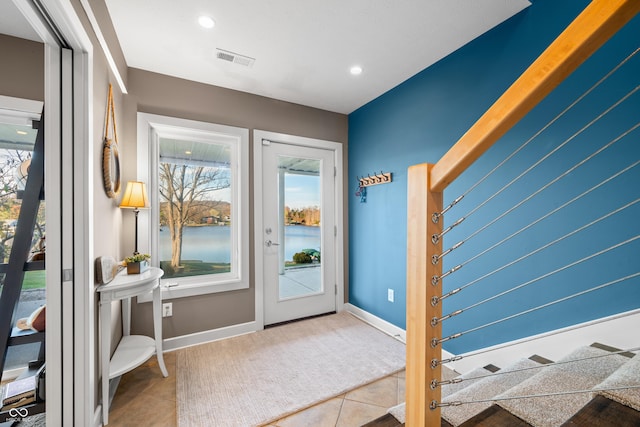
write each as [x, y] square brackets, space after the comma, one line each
[269, 243]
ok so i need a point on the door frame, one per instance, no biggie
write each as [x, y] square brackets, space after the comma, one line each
[70, 338]
[336, 147]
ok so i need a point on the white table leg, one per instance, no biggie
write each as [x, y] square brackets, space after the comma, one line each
[126, 316]
[105, 350]
[157, 329]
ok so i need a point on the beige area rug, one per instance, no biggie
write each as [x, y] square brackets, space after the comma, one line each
[253, 379]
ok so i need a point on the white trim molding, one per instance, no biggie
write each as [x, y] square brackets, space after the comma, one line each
[175, 343]
[611, 330]
[151, 127]
[104, 45]
[378, 323]
[19, 111]
[615, 331]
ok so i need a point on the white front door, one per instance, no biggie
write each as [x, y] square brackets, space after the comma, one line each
[298, 231]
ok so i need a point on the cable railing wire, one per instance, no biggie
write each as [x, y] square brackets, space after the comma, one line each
[531, 224]
[541, 248]
[435, 363]
[531, 310]
[549, 184]
[435, 279]
[435, 404]
[530, 368]
[534, 280]
[545, 157]
[536, 164]
[534, 136]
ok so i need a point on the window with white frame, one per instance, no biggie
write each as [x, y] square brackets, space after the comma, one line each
[198, 187]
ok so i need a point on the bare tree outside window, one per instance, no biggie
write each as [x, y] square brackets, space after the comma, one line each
[198, 186]
[13, 169]
[187, 198]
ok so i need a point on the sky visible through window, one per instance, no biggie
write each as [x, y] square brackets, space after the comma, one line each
[302, 191]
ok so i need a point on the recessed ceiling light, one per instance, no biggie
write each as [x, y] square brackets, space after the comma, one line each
[206, 21]
[187, 152]
[356, 70]
[21, 132]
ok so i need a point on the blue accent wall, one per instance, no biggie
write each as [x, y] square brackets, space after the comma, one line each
[419, 120]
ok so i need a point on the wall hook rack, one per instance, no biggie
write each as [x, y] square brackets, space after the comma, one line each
[375, 179]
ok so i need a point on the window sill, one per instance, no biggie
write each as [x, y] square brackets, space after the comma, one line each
[171, 290]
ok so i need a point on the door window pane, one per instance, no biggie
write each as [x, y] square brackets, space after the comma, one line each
[300, 204]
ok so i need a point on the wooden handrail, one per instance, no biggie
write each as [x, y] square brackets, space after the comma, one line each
[590, 30]
[426, 182]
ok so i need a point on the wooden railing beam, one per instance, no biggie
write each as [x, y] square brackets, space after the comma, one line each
[422, 203]
[590, 30]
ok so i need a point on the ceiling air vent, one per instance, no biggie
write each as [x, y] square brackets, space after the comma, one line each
[236, 58]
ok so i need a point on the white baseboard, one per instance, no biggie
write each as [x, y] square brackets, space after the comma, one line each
[377, 322]
[170, 344]
[612, 330]
[616, 331]
[383, 325]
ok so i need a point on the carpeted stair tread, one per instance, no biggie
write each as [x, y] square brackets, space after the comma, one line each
[627, 375]
[449, 389]
[486, 388]
[398, 411]
[552, 411]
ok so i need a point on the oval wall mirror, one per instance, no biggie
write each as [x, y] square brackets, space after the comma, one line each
[111, 169]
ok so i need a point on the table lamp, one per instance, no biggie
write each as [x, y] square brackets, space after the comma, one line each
[135, 197]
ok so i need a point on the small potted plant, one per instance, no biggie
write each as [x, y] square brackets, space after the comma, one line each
[137, 263]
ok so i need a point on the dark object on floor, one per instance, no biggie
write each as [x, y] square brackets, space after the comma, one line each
[387, 420]
[603, 412]
[495, 416]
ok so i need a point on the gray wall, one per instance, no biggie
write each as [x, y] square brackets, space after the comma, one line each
[22, 71]
[160, 94]
[107, 218]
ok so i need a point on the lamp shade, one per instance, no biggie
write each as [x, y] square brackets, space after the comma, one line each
[135, 195]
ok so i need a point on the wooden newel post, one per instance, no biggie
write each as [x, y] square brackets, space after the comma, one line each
[422, 204]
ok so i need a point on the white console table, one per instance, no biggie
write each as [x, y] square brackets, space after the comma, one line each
[133, 350]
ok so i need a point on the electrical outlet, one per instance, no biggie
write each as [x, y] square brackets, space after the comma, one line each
[390, 295]
[167, 309]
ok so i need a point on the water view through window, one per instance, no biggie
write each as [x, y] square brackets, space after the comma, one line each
[196, 207]
[196, 230]
[211, 244]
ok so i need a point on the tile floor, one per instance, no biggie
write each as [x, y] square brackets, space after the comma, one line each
[145, 398]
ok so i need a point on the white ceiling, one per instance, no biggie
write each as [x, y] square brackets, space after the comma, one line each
[13, 23]
[303, 49]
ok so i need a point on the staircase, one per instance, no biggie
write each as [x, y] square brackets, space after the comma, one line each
[597, 369]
